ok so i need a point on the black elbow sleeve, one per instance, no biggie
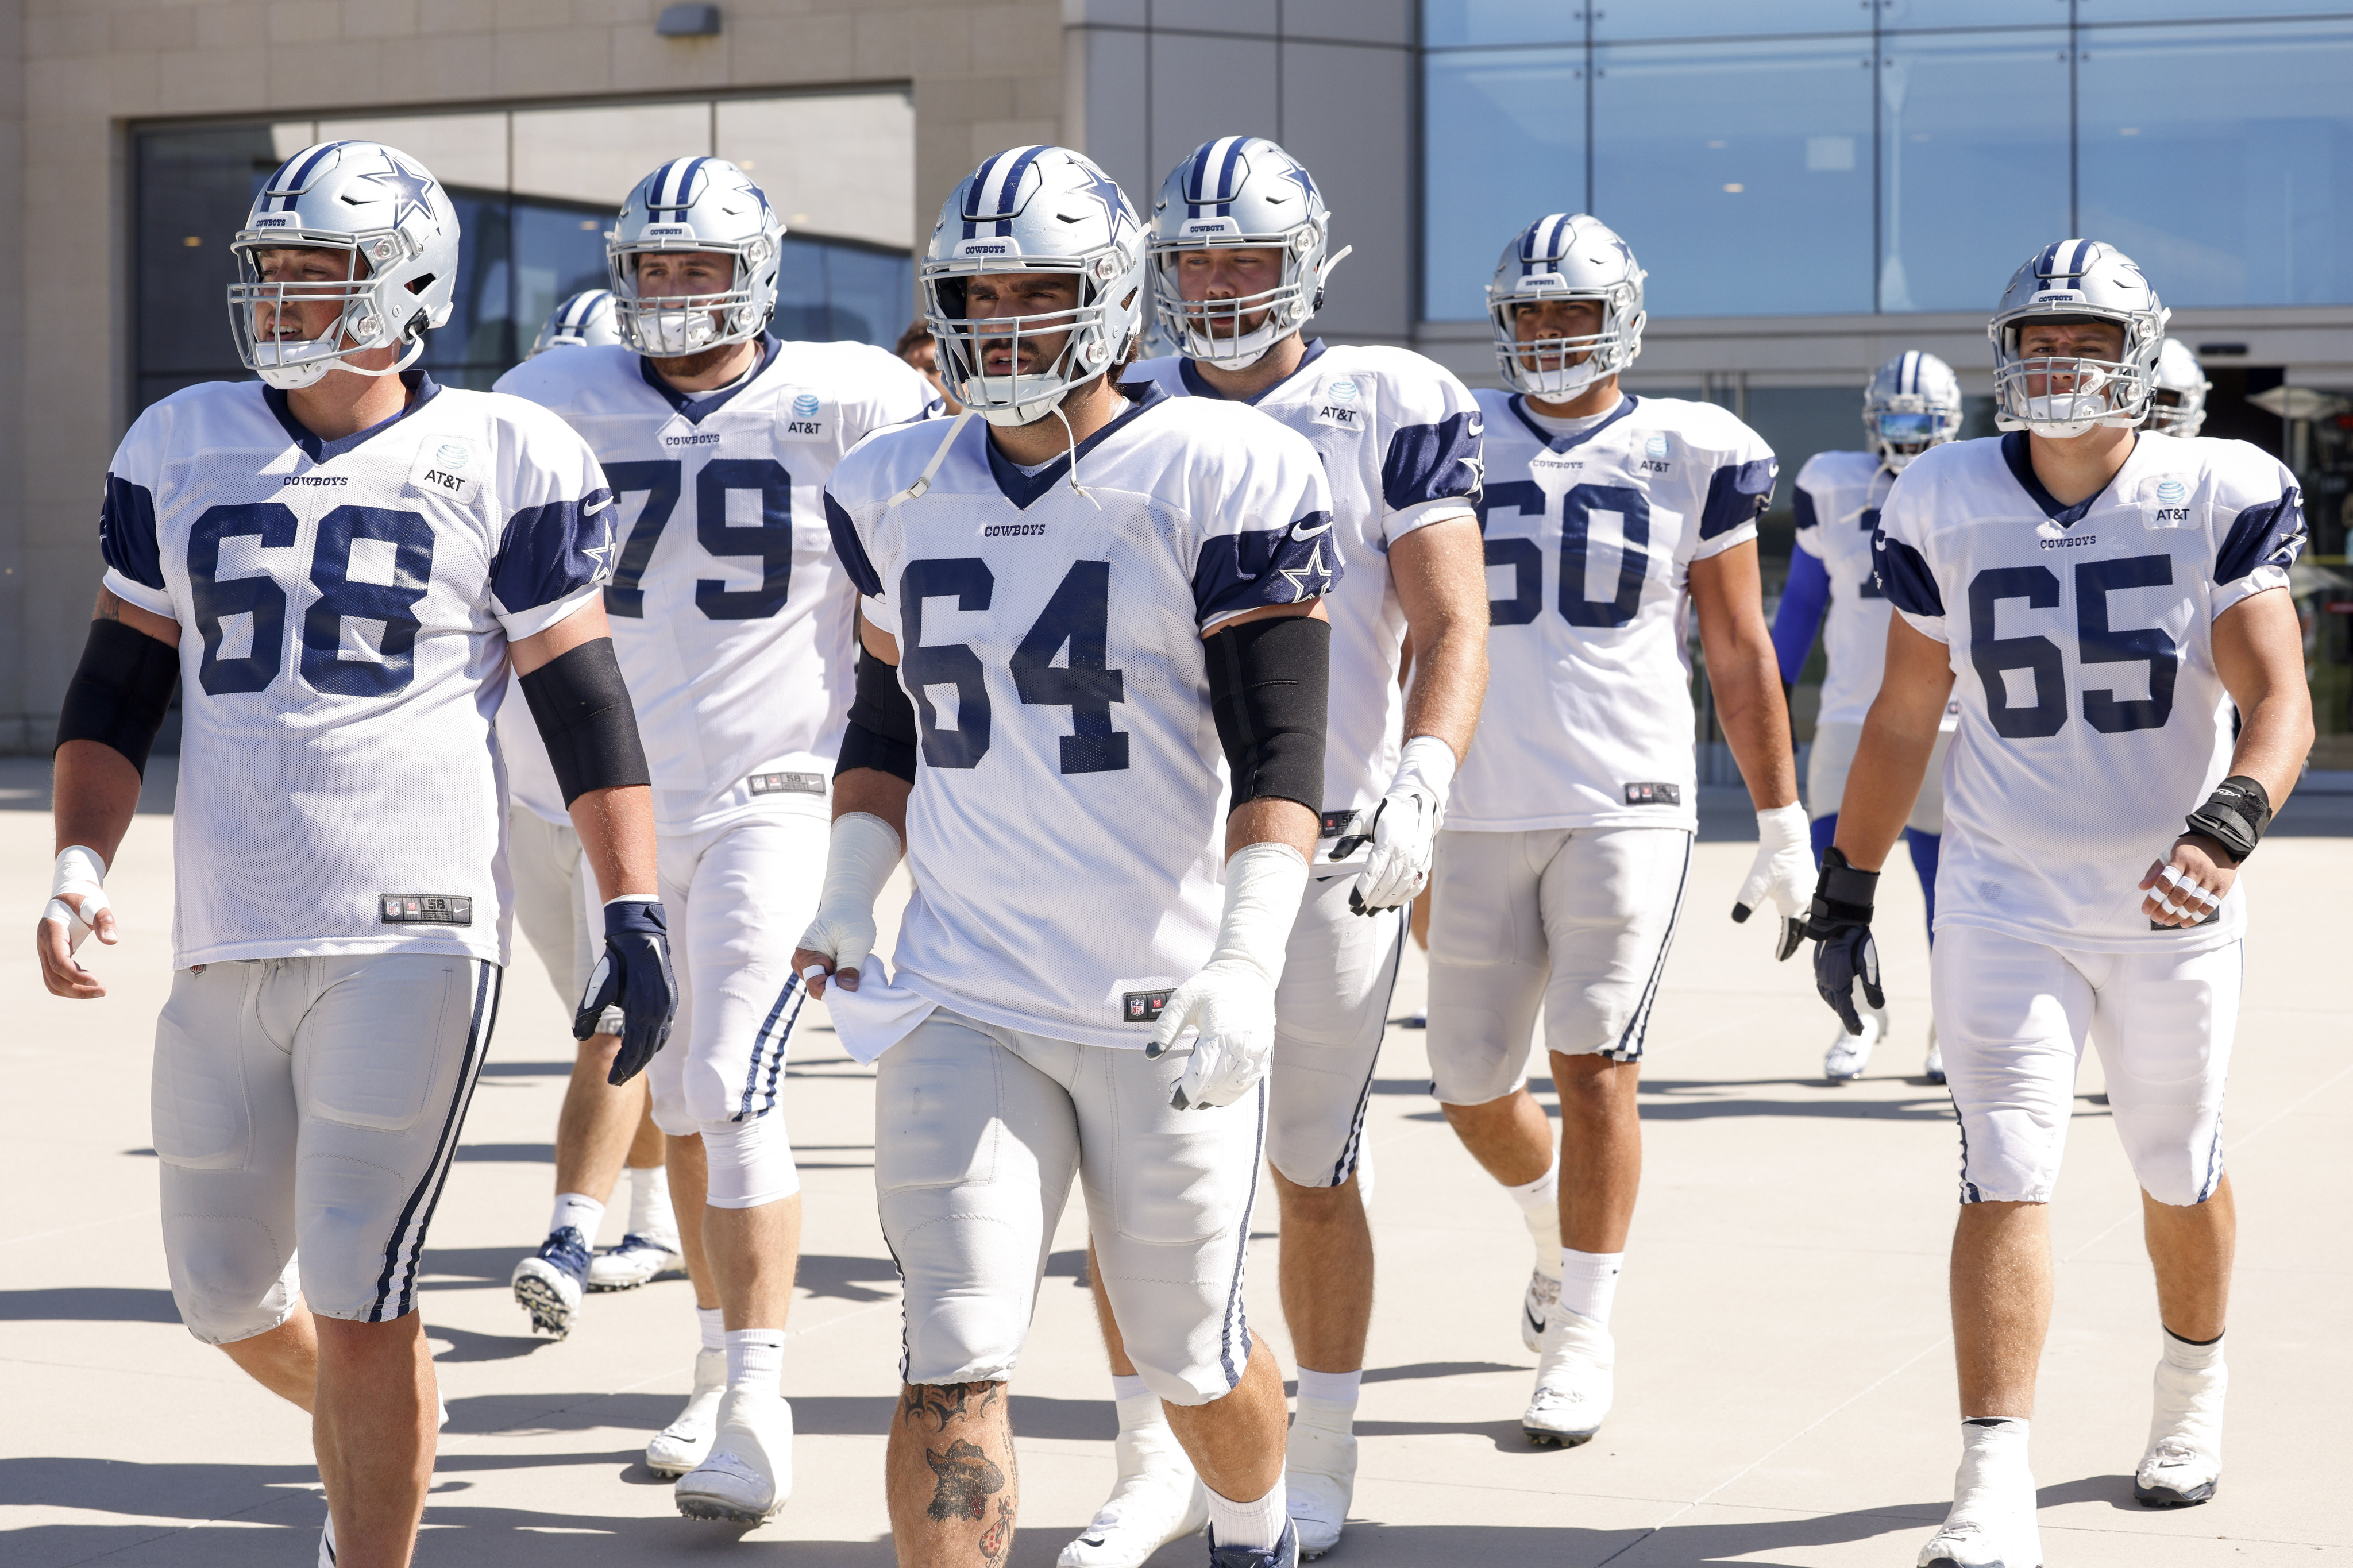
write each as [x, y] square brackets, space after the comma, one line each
[1269, 684]
[583, 710]
[120, 691]
[882, 732]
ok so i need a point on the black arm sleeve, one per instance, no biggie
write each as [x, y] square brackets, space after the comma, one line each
[583, 710]
[121, 691]
[882, 732]
[1269, 684]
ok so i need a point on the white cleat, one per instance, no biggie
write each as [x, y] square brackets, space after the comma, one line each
[1935, 1066]
[686, 1442]
[1988, 1538]
[2184, 1462]
[1849, 1054]
[749, 1476]
[1575, 1381]
[1319, 1479]
[1538, 1307]
[637, 1260]
[1157, 1498]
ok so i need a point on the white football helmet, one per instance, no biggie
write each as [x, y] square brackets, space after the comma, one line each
[1913, 402]
[1034, 209]
[392, 219]
[2077, 280]
[2178, 405]
[695, 204]
[584, 320]
[1229, 193]
[1567, 256]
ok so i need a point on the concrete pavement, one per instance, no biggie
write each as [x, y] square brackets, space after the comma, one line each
[1785, 1391]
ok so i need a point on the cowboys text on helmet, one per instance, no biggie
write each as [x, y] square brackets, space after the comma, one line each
[1229, 193]
[695, 205]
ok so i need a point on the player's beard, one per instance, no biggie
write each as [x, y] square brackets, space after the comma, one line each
[686, 367]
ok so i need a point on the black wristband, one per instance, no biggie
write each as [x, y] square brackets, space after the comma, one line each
[2234, 816]
[1843, 892]
[120, 691]
[583, 710]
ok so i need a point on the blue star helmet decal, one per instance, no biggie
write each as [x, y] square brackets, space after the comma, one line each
[1105, 189]
[1306, 180]
[410, 189]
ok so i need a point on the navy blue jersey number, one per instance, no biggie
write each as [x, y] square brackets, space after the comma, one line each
[1077, 617]
[2096, 642]
[391, 605]
[770, 538]
[1579, 507]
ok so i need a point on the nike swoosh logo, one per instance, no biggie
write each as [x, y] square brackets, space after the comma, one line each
[1312, 532]
[1534, 1322]
[1091, 1540]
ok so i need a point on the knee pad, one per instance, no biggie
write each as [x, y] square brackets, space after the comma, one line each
[2176, 1152]
[750, 1163]
[226, 1277]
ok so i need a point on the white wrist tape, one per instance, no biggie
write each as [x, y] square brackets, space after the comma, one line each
[1427, 764]
[1264, 885]
[862, 853]
[82, 871]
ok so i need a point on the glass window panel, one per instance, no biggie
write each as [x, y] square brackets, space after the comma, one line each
[459, 149]
[1973, 160]
[2220, 159]
[289, 137]
[1448, 22]
[559, 249]
[1975, 13]
[827, 290]
[2093, 12]
[842, 164]
[596, 156]
[1740, 174]
[1727, 18]
[479, 335]
[1504, 143]
[195, 188]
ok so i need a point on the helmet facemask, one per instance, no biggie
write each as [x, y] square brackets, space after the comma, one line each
[1561, 369]
[2079, 392]
[1095, 335]
[376, 312]
[1220, 332]
[671, 326]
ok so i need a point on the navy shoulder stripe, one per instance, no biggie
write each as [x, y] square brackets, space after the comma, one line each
[1904, 576]
[2269, 534]
[1736, 493]
[850, 550]
[126, 533]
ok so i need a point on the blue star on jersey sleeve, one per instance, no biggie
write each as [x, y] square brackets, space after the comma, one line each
[1439, 462]
[1260, 566]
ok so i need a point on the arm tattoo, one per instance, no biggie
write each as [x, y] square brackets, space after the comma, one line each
[945, 1402]
[965, 1478]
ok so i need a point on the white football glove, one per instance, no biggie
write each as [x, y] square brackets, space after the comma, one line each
[80, 875]
[1783, 870]
[861, 854]
[1228, 1006]
[1405, 828]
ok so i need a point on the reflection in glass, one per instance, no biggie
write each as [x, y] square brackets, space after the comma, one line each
[1897, 14]
[1504, 143]
[1740, 174]
[2220, 159]
[842, 164]
[1449, 22]
[1973, 157]
[460, 148]
[1727, 18]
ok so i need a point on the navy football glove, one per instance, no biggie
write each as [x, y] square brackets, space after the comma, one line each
[1839, 923]
[635, 976]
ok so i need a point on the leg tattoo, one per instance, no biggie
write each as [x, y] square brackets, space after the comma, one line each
[997, 1538]
[963, 1479]
[945, 1402]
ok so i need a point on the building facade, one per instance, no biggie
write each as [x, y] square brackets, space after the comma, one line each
[1813, 186]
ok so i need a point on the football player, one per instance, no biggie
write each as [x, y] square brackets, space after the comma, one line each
[1239, 252]
[2100, 600]
[2178, 405]
[732, 622]
[1609, 519]
[601, 1125]
[334, 567]
[1911, 404]
[1122, 589]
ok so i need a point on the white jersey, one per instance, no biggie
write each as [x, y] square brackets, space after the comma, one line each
[730, 615]
[1399, 439]
[1066, 836]
[344, 610]
[531, 777]
[1837, 498]
[1590, 537]
[2092, 720]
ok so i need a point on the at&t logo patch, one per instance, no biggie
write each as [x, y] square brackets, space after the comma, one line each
[805, 418]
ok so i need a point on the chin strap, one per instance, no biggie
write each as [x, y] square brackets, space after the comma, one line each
[1071, 436]
[923, 480]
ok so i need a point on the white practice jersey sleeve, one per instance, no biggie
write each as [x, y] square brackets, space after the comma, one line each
[1836, 498]
[1399, 439]
[345, 609]
[1590, 538]
[731, 617]
[1066, 836]
[2092, 718]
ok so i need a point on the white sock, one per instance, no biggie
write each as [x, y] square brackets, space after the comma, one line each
[1588, 1282]
[1539, 1203]
[1993, 1467]
[1123, 1389]
[755, 1358]
[1140, 1408]
[1254, 1524]
[1332, 1393]
[649, 1211]
[583, 1214]
[2190, 1356]
[713, 1322]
